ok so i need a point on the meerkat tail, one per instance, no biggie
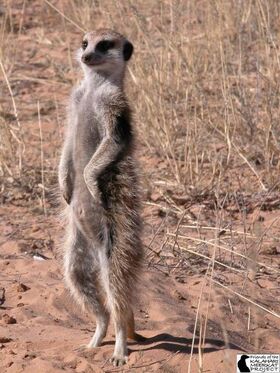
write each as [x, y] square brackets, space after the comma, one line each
[131, 334]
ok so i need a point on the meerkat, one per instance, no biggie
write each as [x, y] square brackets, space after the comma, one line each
[98, 180]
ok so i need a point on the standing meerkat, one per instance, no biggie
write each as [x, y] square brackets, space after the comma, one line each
[98, 180]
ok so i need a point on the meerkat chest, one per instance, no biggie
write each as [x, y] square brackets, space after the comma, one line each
[88, 131]
[88, 126]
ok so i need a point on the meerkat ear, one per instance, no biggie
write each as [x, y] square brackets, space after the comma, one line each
[127, 50]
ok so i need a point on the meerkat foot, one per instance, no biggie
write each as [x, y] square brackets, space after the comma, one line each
[118, 361]
[102, 321]
[95, 341]
[120, 356]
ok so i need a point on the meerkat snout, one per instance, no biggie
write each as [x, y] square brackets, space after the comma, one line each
[92, 59]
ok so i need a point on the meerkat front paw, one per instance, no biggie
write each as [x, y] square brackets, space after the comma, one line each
[66, 189]
[91, 183]
[118, 361]
[67, 195]
[95, 192]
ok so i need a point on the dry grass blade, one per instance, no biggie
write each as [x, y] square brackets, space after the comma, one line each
[17, 136]
[11, 93]
[225, 249]
[225, 230]
[42, 159]
[273, 313]
[211, 259]
[204, 326]
[42, 81]
[64, 16]
[250, 166]
[196, 318]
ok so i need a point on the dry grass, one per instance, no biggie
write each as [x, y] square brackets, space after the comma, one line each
[204, 78]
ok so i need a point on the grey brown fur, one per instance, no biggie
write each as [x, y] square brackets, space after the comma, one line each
[98, 180]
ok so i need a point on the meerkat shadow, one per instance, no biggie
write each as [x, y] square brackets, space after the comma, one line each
[140, 339]
[173, 343]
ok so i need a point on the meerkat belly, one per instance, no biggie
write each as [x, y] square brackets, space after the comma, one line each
[85, 142]
[87, 211]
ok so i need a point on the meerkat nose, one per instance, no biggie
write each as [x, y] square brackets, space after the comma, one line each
[92, 59]
[86, 58]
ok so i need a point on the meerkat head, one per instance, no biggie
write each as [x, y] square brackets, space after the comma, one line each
[104, 52]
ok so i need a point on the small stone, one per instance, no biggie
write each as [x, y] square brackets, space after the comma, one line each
[179, 295]
[2, 295]
[5, 340]
[161, 213]
[180, 280]
[272, 251]
[21, 288]
[8, 319]
[29, 356]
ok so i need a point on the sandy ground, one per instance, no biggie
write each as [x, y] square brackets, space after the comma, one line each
[41, 329]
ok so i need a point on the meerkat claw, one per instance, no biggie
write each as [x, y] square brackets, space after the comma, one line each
[118, 361]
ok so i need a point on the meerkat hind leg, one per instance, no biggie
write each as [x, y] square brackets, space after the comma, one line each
[83, 278]
[102, 320]
[120, 356]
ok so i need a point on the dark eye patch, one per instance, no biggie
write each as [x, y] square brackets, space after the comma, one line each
[104, 45]
[84, 44]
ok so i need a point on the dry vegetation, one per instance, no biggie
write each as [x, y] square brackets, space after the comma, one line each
[204, 77]
[204, 85]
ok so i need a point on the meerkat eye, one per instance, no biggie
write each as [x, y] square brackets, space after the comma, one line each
[84, 44]
[104, 45]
